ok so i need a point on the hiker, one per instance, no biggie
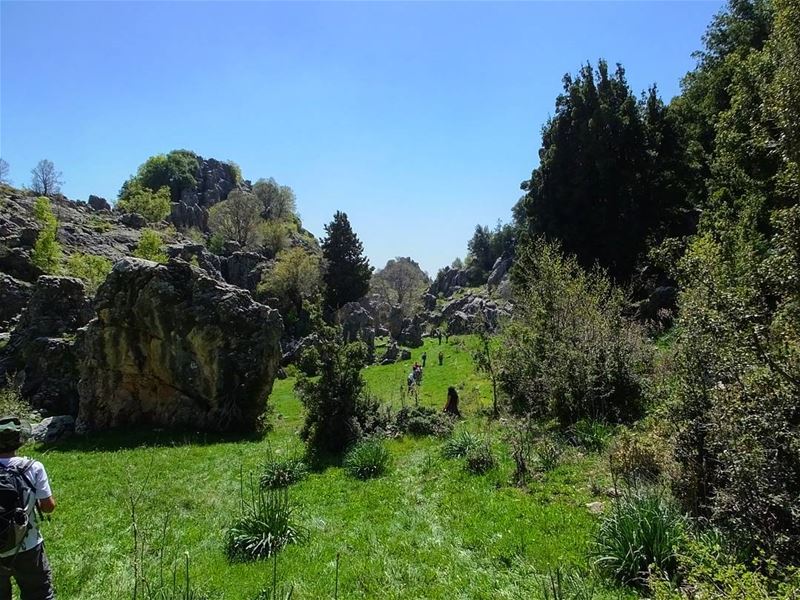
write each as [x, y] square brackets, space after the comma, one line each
[417, 372]
[451, 408]
[439, 335]
[24, 488]
[424, 358]
[410, 380]
[441, 358]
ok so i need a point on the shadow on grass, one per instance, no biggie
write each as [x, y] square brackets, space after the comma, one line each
[123, 439]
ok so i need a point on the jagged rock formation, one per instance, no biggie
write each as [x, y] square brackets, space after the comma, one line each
[41, 350]
[449, 280]
[14, 296]
[172, 347]
[358, 325]
[467, 314]
[411, 333]
[215, 180]
[499, 270]
[97, 203]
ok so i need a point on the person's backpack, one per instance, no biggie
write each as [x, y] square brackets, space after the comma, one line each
[14, 520]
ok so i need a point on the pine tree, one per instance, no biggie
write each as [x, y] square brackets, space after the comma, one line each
[347, 270]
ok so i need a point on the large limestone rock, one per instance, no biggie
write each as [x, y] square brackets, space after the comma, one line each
[215, 180]
[14, 295]
[358, 325]
[41, 350]
[171, 347]
[499, 270]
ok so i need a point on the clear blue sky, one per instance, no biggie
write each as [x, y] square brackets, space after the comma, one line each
[418, 120]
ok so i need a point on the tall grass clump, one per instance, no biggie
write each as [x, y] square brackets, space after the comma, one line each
[459, 444]
[548, 454]
[643, 533]
[267, 524]
[280, 473]
[480, 458]
[367, 459]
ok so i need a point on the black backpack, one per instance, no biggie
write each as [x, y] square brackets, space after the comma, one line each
[14, 520]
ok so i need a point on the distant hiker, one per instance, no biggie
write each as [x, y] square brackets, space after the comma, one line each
[424, 358]
[24, 489]
[446, 337]
[417, 372]
[441, 358]
[451, 408]
[410, 381]
[439, 335]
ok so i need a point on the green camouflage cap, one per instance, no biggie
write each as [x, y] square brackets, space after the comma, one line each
[11, 431]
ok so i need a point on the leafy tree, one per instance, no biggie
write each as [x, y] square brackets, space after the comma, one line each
[153, 206]
[46, 250]
[237, 218]
[45, 180]
[4, 172]
[274, 236]
[347, 272]
[487, 245]
[90, 268]
[277, 201]
[401, 281]
[600, 190]
[151, 246]
[175, 170]
[294, 278]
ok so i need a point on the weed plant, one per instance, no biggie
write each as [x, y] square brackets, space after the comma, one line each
[367, 459]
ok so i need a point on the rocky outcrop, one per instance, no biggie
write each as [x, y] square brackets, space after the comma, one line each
[53, 429]
[41, 350]
[14, 296]
[411, 334]
[99, 204]
[358, 325]
[391, 354]
[395, 321]
[215, 180]
[17, 263]
[465, 315]
[499, 270]
[244, 269]
[429, 302]
[172, 347]
[197, 254]
[448, 281]
[133, 220]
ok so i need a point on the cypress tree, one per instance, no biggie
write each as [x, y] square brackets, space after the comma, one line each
[347, 270]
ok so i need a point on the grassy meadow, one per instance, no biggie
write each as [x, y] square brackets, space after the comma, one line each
[426, 529]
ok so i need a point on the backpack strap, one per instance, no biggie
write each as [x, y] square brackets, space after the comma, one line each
[22, 471]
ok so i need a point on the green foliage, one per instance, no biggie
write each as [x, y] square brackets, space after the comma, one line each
[548, 453]
[267, 524]
[423, 420]
[590, 435]
[641, 535]
[295, 279]
[175, 170]
[401, 281]
[480, 458]
[570, 353]
[153, 206]
[12, 403]
[277, 201]
[216, 243]
[46, 250]
[635, 458]
[367, 459]
[274, 236]
[487, 245]
[237, 218]
[610, 173]
[459, 444]
[280, 473]
[347, 271]
[308, 363]
[90, 268]
[333, 420]
[150, 246]
[571, 585]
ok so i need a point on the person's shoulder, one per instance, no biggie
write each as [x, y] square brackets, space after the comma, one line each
[30, 464]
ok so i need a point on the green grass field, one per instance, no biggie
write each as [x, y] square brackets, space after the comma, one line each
[427, 529]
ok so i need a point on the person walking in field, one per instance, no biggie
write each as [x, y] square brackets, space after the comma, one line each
[24, 490]
[441, 358]
[424, 359]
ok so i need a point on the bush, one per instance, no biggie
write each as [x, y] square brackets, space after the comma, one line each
[308, 362]
[480, 458]
[150, 247]
[154, 206]
[459, 444]
[282, 472]
[634, 459]
[266, 525]
[570, 353]
[46, 250]
[89, 268]
[367, 459]
[644, 530]
[423, 420]
[12, 403]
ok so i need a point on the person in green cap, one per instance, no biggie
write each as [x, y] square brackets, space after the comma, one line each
[24, 489]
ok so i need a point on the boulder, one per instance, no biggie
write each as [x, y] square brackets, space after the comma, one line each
[14, 296]
[395, 321]
[97, 203]
[405, 354]
[53, 429]
[17, 263]
[133, 220]
[172, 347]
[214, 181]
[357, 325]
[499, 270]
[447, 281]
[391, 354]
[659, 305]
[243, 269]
[411, 334]
[41, 348]
[429, 301]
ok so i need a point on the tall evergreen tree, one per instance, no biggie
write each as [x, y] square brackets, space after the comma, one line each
[347, 270]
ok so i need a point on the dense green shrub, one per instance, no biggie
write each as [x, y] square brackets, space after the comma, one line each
[635, 459]
[175, 170]
[90, 268]
[590, 435]
[423, 420]
[46, 250]
[643, 531]
[150, 246]
[569, 352]
[459, 444]
[480, 458]
[282, 472]
[152, 205]
[266, 525]
[308, 362]
[13, 404]
[367, 459]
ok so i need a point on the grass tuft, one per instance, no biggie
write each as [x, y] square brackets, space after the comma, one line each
[367, 459]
